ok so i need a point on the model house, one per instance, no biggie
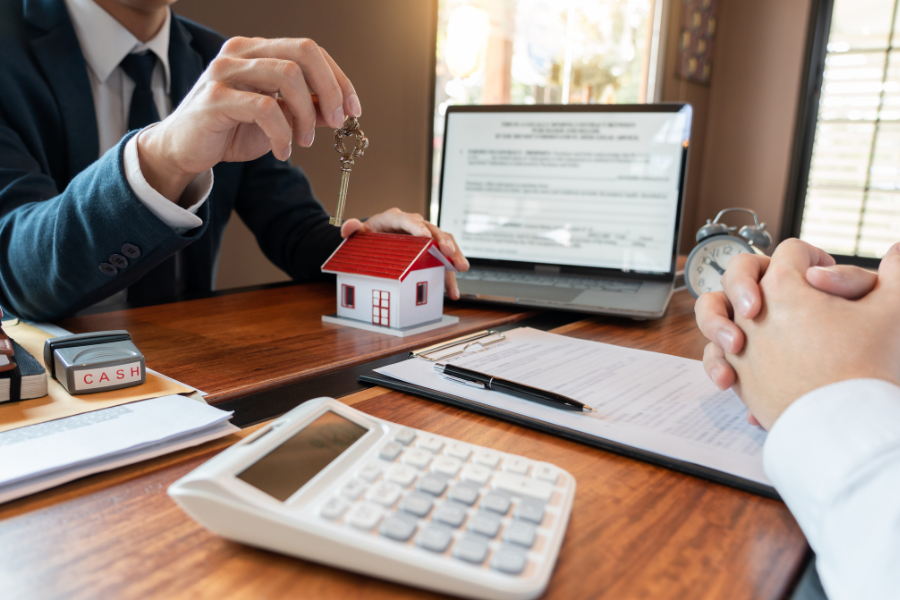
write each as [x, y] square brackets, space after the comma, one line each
[389, 280]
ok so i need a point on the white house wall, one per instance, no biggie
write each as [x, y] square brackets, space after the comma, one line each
[410, 314]
[364, 286]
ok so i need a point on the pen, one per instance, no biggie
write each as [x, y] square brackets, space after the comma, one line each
[519, 390]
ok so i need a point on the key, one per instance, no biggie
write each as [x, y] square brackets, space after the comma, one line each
[450, 514]
[471, 549]
[334, 508]
[495, 502]
[508, 560]
[519, 532]
[523, 486]
[486, 458]
[351, 127]
[530, 510]
[446, 465]
[398, 528]
[364, 516]
[417, 504]
[384, 493]
[484, 523]
[434, 538]
[463, 493]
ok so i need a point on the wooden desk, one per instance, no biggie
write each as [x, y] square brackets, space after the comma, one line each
[637, 531]
[234, 345]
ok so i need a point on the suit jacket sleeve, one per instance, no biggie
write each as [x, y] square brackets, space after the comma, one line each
[55, 241]
[277, 203]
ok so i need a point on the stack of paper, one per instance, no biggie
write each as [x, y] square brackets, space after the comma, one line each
[42, 456]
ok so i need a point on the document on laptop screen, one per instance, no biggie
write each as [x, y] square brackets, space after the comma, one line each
[594, 189]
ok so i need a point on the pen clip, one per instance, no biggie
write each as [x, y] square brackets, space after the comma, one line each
[464, 382]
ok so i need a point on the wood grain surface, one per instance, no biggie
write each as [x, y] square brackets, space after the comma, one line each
[636, 531]
[230, 346]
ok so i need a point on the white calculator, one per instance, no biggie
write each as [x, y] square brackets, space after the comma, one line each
[330, 484]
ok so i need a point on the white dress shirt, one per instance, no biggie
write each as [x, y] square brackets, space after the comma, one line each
[104, 43]
[834, 456]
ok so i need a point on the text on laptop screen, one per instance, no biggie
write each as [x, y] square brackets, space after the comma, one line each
[592, 189]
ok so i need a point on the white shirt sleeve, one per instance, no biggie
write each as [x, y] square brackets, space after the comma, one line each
[179, 219]
[834, 456]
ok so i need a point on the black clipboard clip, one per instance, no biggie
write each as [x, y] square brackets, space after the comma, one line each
[482, 338]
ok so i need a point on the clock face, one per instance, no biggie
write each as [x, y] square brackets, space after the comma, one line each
[709, 260]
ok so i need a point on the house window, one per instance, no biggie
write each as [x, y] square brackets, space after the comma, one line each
[348, 296]
[421, 293]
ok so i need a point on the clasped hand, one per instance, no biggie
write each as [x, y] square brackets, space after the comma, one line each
[799, 322]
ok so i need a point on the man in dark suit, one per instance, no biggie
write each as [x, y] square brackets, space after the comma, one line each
[127, 137]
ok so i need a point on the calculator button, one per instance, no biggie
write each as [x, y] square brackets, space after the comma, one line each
[458, 450]
[434, 538]
[450, 514]
[417, 457]
[495, 502]
[547, 473]
[405, 436]
[390, 451]
[519, 532]
[352, 488]
[516, 465]
[334, 508]
[432, 484]
[364, 516]
[487, 458]
[417, 504]
[463, 493]
[476, 474]
[484, 523]
[401, 474]
[446, 465]
[370, 472]
[432, 443]
[397, 528]
[471, 549]
[523, 486]
[508, 560]
[384, 493]
[530, 510]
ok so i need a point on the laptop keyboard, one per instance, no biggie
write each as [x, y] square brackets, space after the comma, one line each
[560, 281]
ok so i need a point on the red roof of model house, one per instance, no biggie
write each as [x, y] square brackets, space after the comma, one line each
[384, 255]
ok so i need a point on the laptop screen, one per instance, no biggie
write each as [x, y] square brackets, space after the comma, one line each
[591, 186]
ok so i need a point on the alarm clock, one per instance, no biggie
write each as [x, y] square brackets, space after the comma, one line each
[717, 243]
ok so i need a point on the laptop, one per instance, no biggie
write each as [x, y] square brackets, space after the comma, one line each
[567, 207]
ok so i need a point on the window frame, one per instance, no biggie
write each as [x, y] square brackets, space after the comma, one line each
[424, 286]
[344, 288]
[811, 82]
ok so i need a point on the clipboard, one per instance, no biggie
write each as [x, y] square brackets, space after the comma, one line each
[490, 337]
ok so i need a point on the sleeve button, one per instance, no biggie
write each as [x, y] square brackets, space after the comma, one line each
[131, 251]
[118, 260]
[108, 269]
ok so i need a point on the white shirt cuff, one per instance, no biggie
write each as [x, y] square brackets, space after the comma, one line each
[179, 219]
[834, 456]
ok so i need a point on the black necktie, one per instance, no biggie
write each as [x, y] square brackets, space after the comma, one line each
[158, 284]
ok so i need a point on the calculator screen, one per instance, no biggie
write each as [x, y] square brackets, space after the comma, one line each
[289, 466]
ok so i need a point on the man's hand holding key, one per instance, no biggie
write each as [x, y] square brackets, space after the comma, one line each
[258, 96]
[254, 97]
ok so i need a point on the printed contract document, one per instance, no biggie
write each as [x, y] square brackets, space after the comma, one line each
[655, 402]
